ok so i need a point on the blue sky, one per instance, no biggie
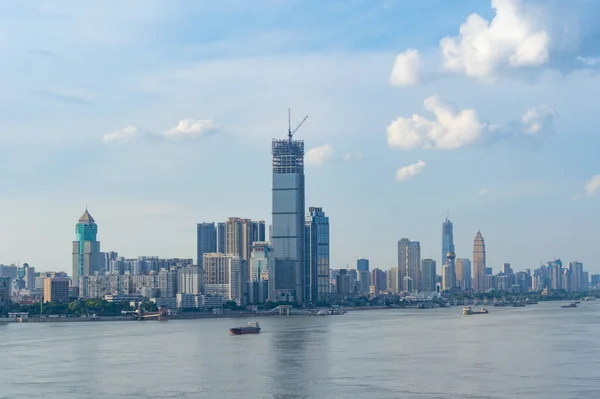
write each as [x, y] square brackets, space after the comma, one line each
[160, 114]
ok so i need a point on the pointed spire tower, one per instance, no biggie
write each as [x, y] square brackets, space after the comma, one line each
[86, 248]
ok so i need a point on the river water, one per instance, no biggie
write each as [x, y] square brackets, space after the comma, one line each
[540, 351]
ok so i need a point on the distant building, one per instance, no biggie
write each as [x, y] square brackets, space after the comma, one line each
[378, 280]
[86, 248]
[56, 289]
[362, 265]
[5, 291]
[191, 280]
[447, 277]
[8, 271]
[29, 277]
[206, 240]
[409, 263]
[168, 282]
[595, 280]
[576, 269]
[428, 275]
[394, 277]
[288, 219]
[448, 244]
[479, 263]
[343, 282]
[236, 283]
[260, 258]
[463, 273]
[221, 237]
[316, 256]
[216, 267]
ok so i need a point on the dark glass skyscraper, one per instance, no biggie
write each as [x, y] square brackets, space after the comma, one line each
[206, 240]
[288, 219]
[316, 271]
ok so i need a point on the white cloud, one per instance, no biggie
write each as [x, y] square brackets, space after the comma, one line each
[191, 128]
[351, 156]
[511, 39]
[589, 62]
[406, 68]
[409, 171]
[537, 119]
[318, 155]
[122, 135]
[592, 187]
[448, 130]
[482, 192]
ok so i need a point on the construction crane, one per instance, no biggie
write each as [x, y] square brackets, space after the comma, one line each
[290, 131]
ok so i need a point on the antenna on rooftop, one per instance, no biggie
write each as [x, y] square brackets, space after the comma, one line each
[290, 131]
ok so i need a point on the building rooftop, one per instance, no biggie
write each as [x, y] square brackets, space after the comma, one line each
[86, 218]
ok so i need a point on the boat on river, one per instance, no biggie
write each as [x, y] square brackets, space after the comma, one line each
[571, 305]
[467, 311]
[250, 328]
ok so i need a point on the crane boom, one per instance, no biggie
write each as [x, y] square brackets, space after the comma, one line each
[290, 131]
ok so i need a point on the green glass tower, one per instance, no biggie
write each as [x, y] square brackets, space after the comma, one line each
[86, 249]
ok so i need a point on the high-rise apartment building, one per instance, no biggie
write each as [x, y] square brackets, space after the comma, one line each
[364, 277]
[394, 280]
[448, 244]
[56, 289]
[576, 269]
[463, 273]
[379, 280]
[29, 277]
[288, 219]
[191, 280]
[479, 263]
[221, 237]
[206, 240]
[409, 263]
[86, 249]
[316, 257]
[216, 267]
[428, 275]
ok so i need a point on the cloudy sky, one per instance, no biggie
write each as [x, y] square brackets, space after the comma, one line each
[159, 114]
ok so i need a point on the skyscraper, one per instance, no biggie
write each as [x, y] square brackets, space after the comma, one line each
[479, 263]
[206, 240]
[288, 218]
[86, 249]
[463, 273]
[409, 263]
[364, 277]
[362, 265]
[316, 271]
[428, 275]
[448, 245]
[221, 234]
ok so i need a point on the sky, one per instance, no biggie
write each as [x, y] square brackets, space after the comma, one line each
[160, 114]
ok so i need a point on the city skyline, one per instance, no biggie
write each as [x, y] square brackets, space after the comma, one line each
[163, 144]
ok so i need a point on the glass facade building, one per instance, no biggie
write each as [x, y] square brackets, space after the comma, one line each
[206, 240]
[86, 249]
[288, 220]
[316, 271]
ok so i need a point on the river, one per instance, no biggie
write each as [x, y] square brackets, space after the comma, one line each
[540, 351]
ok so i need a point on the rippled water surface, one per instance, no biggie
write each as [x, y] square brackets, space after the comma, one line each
[541, 351]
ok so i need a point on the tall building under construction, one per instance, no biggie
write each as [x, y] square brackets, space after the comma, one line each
[288, 219]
